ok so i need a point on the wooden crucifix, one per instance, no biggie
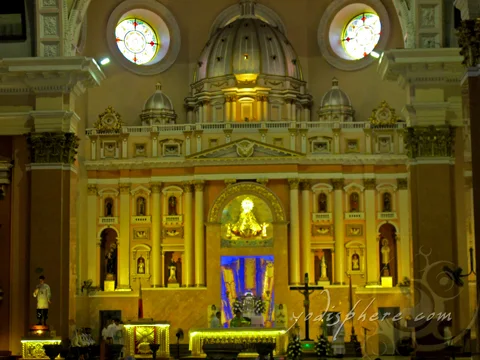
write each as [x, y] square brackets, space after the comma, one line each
[306, 290]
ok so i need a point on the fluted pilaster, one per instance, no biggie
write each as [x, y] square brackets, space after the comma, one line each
[123, 252]
[157, 278]
[306, 230]
[339, 231]
[294, 245]
[188, 235]
[199, 235]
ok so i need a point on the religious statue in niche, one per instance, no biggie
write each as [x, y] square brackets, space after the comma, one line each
[108, 207]
[355, 262]
[111, 259]
[172, 268]
[322, 203]
[247, 225]
[141, 265]
[172, 206]
[323, 269]
[385, 250]
[141, 205]
[354, 202]
[387, 202]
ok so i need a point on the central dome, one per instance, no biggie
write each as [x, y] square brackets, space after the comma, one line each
[248, 45]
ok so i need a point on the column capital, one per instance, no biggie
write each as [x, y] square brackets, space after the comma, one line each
[305, 185]
[230, 182]
[402, 184]
[124, 188]
[53, 147]
[338, 184]
[369, 184]
[187, 186]
[199, 185]
[431, 141]
[156, 187]
[468, 41]
[294, 183]
[92, 189]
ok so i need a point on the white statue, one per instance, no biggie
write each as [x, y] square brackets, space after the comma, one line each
[264, 230]
[323, 273]
[385, 252]
[173, 272]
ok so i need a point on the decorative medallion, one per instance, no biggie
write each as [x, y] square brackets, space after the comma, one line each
[110, 120]
[383, 115]
[245, 148]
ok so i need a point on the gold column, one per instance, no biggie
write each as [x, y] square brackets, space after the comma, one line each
[199, 235]
[157, 280]
[371, 232]
[234, 109]
[259, 108]
[98, 256]
[188, 235]
[123, 280]
[294, 244]
[306, 113]
[294, 111]
[200, 113]
[205, 111]
[228, 110]
[306, 230]
[289, 109]
[265, 109]
[339, 231]
[92, 263]
[404, 214]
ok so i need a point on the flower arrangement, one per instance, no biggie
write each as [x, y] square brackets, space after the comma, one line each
[259, 306]
[322, 347]
[237, 305]
[294, 350]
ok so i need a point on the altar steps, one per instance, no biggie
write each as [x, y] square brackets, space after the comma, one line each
[184, 352]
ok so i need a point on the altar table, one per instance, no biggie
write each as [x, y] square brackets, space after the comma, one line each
[140, 334]
[32, 346]
[243, 335]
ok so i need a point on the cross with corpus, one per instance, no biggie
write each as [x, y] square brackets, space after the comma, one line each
[306, 290]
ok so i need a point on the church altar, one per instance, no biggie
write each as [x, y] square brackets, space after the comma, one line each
[140, 334]
[245, 335]
[32, 347]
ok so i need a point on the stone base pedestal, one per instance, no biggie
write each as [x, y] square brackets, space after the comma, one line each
[387, 281]
[323, 282]
[173, 284]
[109, 285]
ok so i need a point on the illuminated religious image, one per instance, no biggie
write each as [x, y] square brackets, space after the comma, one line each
[137, 41]
[361, 35]
[246, 219]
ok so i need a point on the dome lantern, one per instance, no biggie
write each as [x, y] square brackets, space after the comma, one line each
[158, 109]
[336, 105]
[248, 8]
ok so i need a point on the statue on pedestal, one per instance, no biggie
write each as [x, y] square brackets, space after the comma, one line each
[111, 258]
[172, 206]
[323, 268]
[355, 262]
[141, 265]
[43, 294]
[172, 279]
[385, 250]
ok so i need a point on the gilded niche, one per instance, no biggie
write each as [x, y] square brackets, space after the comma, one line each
[430, 142]
[54, 147]
[246, 221]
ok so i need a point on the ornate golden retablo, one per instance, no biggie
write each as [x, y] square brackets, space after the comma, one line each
[109, 120]
[247, 225]
[383, 115]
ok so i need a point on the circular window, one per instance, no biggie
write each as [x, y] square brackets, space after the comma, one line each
[351, 35]
[137, 41]
[143, 36]
[361, 35]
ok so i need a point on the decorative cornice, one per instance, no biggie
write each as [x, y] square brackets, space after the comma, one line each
[294, 184]
[49, 75]
[441, 66]
[92, 189]
[369, 184]
[428, 142]
[338, 184]
[53, 147]
[402, 184]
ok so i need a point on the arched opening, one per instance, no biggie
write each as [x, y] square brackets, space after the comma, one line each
[388, 252]
[108, 207]
[172, 206]
[108, 256]
[141, 206]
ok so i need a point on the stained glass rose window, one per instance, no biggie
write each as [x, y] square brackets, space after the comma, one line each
[361, 35]
[137, 41]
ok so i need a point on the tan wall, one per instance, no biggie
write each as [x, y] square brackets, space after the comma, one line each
[127, 92]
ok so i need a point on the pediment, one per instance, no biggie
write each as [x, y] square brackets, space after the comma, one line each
[246, 149]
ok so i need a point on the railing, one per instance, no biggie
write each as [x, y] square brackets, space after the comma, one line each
[354, 216]
[386, 215]
[245, 126]
[141, 219]
[321, 217]
[108, 220]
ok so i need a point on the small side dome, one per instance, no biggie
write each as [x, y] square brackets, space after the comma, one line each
[336, 105]
[158, 109]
